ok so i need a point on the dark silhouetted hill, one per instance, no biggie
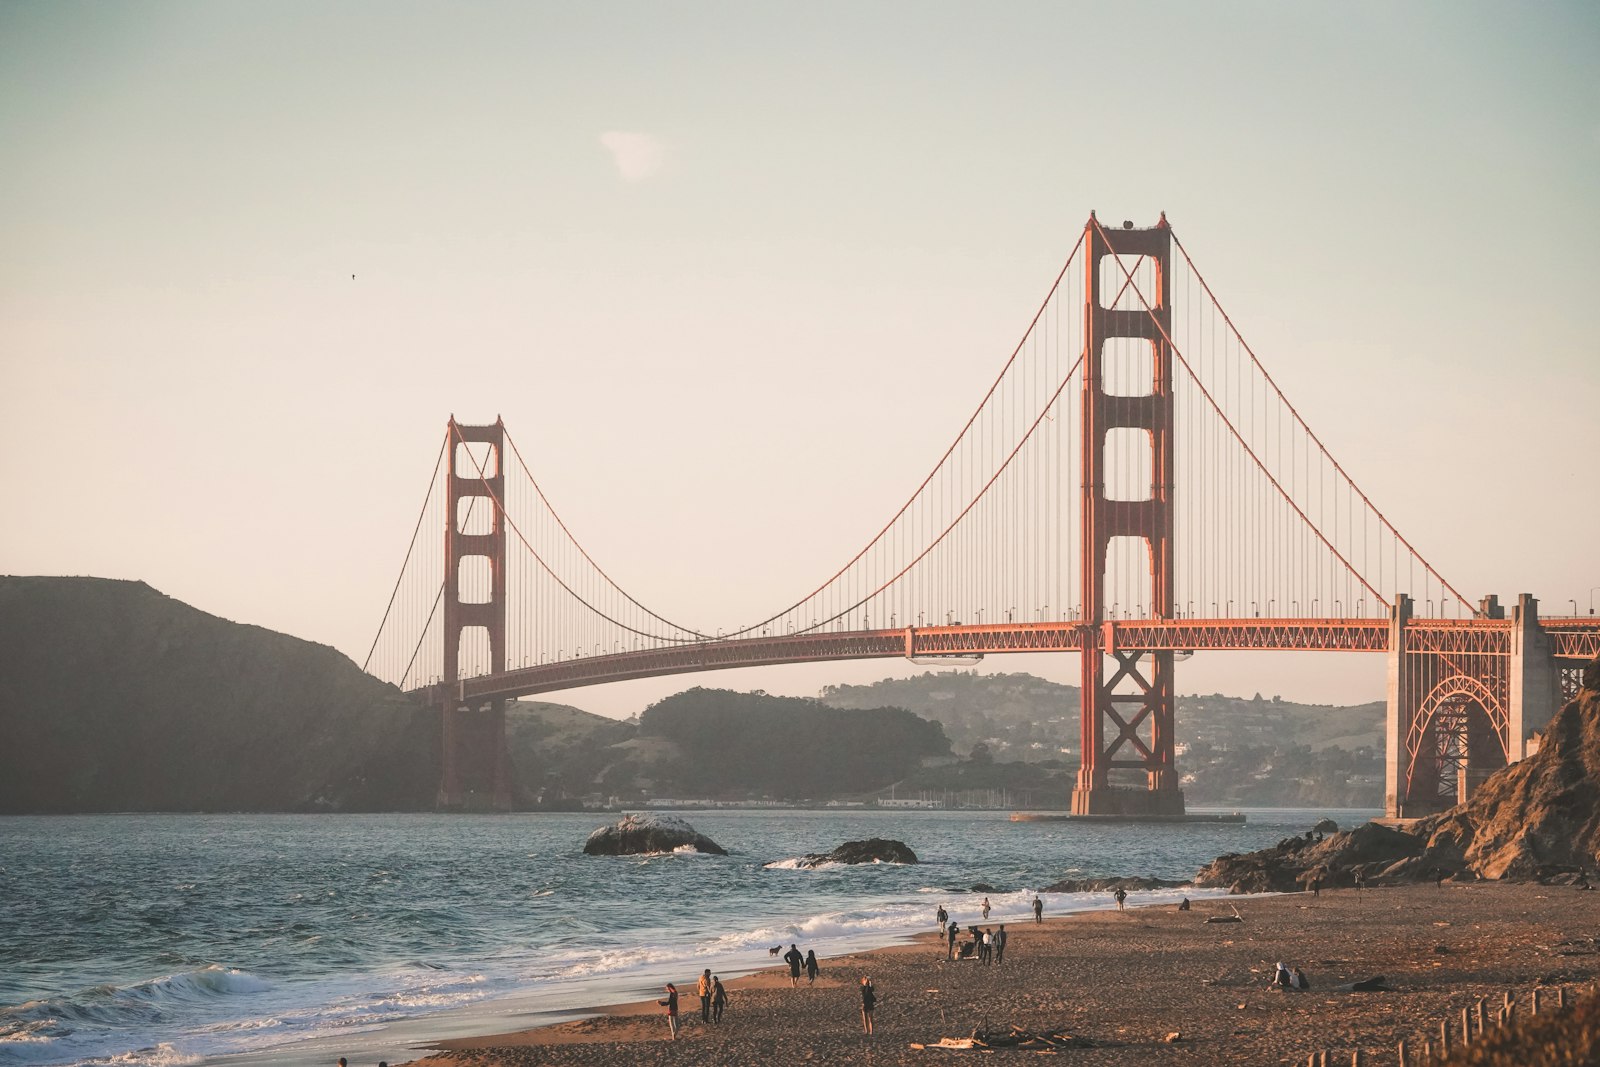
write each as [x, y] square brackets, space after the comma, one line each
[114, 697]
[714, 742]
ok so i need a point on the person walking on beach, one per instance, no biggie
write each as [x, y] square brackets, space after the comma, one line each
[719, 999]
[794, 960]
[950, 953]
[942, 917]
[811, 966]
[1122, 898]
[1361, 879]
[985, 909]
[703, 990]
[869, 1001]
[986, 953]
[671, 1004]
[1000, 944]
[1038, 909]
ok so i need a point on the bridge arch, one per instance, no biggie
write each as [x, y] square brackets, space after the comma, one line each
[1459, 736]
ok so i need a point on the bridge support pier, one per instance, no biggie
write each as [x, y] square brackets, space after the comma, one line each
[476, 767]
[1535, 678]
[1401, 704]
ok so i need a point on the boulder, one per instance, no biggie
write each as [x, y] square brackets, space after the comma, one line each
[872, 850]
[1326, 826]
[1107, 885]
[647, 833]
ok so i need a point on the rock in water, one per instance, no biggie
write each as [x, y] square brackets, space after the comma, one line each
[648, 832]
[1106, 885]
[1326, 826]
[873, 850]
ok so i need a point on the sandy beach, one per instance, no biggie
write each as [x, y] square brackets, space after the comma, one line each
[1126, 981]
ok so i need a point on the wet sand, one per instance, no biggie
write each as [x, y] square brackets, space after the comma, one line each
[1126, 981]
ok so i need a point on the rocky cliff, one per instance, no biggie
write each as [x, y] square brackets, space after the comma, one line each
[1537, 819]
[114, 697]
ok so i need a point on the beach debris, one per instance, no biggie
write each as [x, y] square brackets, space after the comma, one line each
[1376, 984]
[1234, 918]
[645, 833]
[872, 850]
[1014, 1038]
[1174, 1037]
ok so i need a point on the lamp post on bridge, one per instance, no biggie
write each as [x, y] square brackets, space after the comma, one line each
[1574, 604]
[1591, 599]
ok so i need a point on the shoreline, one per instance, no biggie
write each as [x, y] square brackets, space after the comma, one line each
[1125, 981]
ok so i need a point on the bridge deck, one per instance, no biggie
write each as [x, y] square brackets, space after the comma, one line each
[1574, 640]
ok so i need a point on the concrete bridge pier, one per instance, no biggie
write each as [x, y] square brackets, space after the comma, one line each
[1535, 692]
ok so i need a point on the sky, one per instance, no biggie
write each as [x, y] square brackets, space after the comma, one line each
[735, 274]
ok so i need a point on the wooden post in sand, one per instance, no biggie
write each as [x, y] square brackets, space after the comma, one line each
[1561, 996]
[1535, 1000]
[1444, 1036]
[1466, 1025]
[1480, 1016]
[1404, 1059]
[1427, 1050]
[1509, 1004]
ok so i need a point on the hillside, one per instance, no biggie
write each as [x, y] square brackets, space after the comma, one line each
[114, 697]
[717, 743]
[1232, 750]
[558, 752]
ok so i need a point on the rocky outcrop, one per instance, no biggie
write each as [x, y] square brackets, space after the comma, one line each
[1288, 865]
[1537, 819]
[1542, 815]
[1108, 885]
[1326, 826]
[872, 850]
[647, 834]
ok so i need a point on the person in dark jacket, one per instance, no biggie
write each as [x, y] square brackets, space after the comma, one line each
[869, 1001]
[954, 928]
[671, 1004]
[794, 959]
[811, 967]
[719, 999]
[1038, 909]
[1000, 944]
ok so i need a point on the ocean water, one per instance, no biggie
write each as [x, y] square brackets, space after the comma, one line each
[283, 940]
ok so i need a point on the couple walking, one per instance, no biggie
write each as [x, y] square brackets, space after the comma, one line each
[796, 961]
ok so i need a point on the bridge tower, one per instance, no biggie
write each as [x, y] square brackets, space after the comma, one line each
[476, 768]
[1139, 694]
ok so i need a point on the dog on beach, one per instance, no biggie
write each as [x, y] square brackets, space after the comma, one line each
[774, 950]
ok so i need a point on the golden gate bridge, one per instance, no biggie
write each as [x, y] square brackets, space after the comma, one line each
[1132, 488]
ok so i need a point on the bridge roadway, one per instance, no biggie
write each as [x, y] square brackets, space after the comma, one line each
[1573, 641]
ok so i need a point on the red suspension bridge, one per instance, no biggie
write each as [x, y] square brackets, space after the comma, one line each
[1134, 487]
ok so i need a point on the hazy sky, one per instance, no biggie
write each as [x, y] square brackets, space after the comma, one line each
[734, 274]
